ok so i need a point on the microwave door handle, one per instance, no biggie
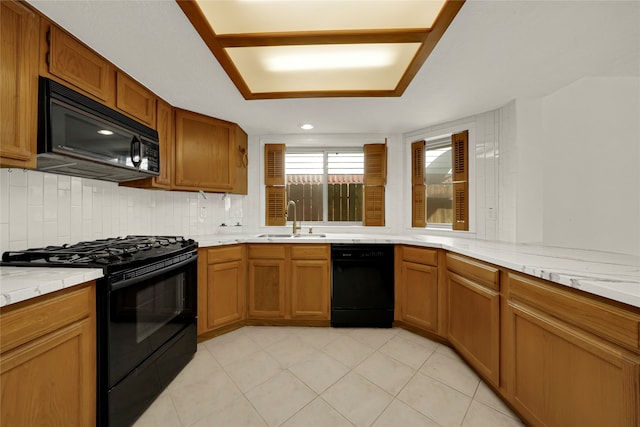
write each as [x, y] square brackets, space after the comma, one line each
[136, 156]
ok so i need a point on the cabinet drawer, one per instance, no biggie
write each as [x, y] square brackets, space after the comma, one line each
[224, 254]
[266, 251]
[319, 251]
[484, 274]
[23, 323]
[609, 322]
[420, 255]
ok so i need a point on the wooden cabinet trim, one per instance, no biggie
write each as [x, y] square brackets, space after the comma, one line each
[604, 320]
[482, 273]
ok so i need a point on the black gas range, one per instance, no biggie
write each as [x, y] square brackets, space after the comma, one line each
[110, 254]
[146, 306]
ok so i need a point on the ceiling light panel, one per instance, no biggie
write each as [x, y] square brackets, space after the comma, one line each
[357, 67]
[320, 48]
[267, 16]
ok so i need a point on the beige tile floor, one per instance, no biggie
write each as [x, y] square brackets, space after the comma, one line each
[316, 377]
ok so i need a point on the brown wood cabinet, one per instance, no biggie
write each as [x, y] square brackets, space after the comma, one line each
[135, 100]
[418, 296]
[310, 282]
[19, 47]
[289, 281]
[69, 61]
[473, 290]
[267, 281]
[221, 287]
[48, 360]
[562, 366]
[206, 153]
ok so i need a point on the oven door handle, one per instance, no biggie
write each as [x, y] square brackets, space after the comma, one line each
[127, 282]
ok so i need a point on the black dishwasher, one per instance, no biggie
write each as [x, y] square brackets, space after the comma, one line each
[362, 285]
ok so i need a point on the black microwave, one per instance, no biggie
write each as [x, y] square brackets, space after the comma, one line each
[80, 137]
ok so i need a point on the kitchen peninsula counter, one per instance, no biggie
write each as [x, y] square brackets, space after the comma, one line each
[609, 275]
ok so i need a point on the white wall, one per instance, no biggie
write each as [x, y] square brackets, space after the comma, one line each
[591, 178]
[39, 209]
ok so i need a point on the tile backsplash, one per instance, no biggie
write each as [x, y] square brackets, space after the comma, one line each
[39, 209]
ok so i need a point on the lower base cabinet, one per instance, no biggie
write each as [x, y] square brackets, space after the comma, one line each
[474, 314]
[221, 287]
[418, 292]
[289, 282]
[48, 360]
[565, 371]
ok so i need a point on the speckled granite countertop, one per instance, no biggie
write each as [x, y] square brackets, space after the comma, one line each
[613, 276]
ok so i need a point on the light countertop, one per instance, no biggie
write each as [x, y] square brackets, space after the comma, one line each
[613, 276]
[22, 283]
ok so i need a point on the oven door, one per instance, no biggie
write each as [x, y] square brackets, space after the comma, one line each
[147, 310]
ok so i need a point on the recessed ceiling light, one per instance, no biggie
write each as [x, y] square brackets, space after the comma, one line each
[105, 132]
[306, 126]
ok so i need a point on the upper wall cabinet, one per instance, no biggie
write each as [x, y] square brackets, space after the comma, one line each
[209, 154]
[135, 100]
[19, 84]
[68, 60]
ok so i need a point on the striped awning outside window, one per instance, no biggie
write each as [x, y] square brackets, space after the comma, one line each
[332, 179]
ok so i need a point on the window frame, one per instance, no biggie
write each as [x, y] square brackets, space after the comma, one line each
[431, 134]
[325, 150]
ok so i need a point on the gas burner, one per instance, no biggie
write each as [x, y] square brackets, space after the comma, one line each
[117, 251]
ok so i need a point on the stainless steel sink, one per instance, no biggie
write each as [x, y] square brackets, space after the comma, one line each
[281, 236]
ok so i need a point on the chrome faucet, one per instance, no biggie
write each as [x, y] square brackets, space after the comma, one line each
[295, 226]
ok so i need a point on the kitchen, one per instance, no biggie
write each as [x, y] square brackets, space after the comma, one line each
[569, 99]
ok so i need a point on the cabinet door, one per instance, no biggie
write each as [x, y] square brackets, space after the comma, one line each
[135, 100]
[19, 84]
[560, 376]
[51, 380]
[71, 61]
[266, 288]
[204, 153]
[419, 293]
[225, 293]
[310, 289]
[474, 325]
